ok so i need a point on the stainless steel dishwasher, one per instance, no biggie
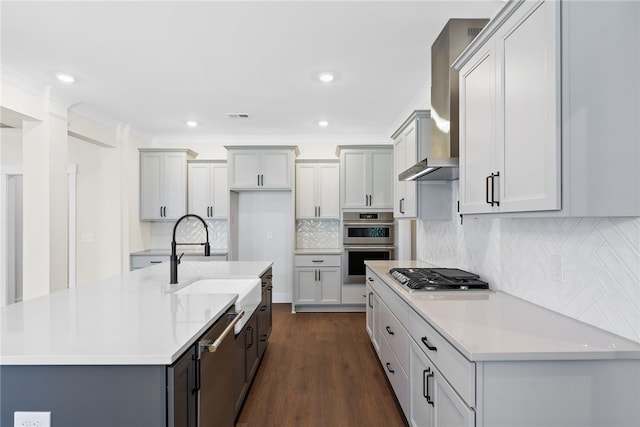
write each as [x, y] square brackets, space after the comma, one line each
[201, 382]
[215, 352]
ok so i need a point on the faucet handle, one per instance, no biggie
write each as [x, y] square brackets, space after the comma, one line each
[180, 257]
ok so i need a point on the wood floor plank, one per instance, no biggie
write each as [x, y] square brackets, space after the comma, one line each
[320, 370]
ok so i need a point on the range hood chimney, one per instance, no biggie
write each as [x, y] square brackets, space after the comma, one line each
[441, 162]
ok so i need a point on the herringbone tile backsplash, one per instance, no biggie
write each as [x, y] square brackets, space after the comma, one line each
[189, 231]
[585, 268]
[314, 234]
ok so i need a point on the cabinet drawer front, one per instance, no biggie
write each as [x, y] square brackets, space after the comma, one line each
[396, 335]
[457, 370]
[317, 260]
[142, 261]
[397, 305]
[398, 378]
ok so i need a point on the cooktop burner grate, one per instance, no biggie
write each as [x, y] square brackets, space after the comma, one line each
[438, 279]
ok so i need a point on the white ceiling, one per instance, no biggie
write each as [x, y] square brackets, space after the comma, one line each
[156, 64]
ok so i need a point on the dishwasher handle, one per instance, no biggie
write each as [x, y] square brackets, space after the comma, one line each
[211, 347]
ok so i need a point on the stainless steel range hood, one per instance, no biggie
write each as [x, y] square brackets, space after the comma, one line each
[441, 162]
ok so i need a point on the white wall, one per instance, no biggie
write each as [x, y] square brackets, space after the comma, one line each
[585, 268]
[97, 210]
[10, 146]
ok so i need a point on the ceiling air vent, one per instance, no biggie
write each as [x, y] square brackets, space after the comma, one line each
[237, 115]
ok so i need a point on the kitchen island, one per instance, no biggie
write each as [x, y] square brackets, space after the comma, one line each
[99, 354]
[484, 358]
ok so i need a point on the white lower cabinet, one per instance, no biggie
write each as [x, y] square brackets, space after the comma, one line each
[373, 316]
[432, 401]
[317, 280]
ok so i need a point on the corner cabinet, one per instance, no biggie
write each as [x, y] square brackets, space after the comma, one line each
[417, 199]
[260, 167]
[532, 122]
[366, 177]
[317, 190]
[163, 183]
[413, 132]
[208, 190]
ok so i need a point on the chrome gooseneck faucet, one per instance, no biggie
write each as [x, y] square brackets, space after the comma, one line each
[174, 260]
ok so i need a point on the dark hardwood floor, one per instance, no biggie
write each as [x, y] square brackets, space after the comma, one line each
[319, 369]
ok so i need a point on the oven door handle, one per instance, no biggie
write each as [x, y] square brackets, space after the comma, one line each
[368, 224]
[368, 247]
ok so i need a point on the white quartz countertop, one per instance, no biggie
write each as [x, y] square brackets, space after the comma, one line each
[493, 326]
[132, 319]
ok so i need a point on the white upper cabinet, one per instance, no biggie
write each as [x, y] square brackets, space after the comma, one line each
[547, 127]
[258, 168]
[317, 190]
[366, 177]
[408, 142]
[208, 191]
[510, 127]
[163, 183]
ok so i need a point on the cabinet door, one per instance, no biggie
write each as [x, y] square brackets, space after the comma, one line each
[477, 130]
[528, 109]
[244, 169]
[354, 180]
[200, 189]
[328, 190]
[174, 185]
[276, 169]
[306, 286]
[450, 410]
[181, 401]
[369, 311]
[329, 286]
[410, 203]
[381, 176]
[306, 205]
[421, 395]
[150, 186]
[220, 191]
[399, 156]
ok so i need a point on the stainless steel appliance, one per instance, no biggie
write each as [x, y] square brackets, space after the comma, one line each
[200, 383]
[441, 158]
[438, 279]
[366, 236]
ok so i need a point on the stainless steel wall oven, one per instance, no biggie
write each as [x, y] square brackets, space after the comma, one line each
[366, 236]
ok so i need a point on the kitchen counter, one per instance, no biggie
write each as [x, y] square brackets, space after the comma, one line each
[494, 326]
[318, 251]
[132, 319]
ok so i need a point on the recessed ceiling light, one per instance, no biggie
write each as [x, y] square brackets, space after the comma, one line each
[326, 77]
[192, 123]
[66, 78]
[323, 123]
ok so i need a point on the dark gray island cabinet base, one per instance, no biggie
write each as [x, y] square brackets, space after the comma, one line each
[80, 396]
[200, 387]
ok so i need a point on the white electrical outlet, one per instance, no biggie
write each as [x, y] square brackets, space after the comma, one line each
[32, 419]
[269, 235]
[87, 238]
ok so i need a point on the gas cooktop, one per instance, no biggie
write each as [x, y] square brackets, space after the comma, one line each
[438, 279]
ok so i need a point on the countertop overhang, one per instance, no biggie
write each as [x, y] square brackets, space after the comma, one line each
[132, 319]
[495, 326]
